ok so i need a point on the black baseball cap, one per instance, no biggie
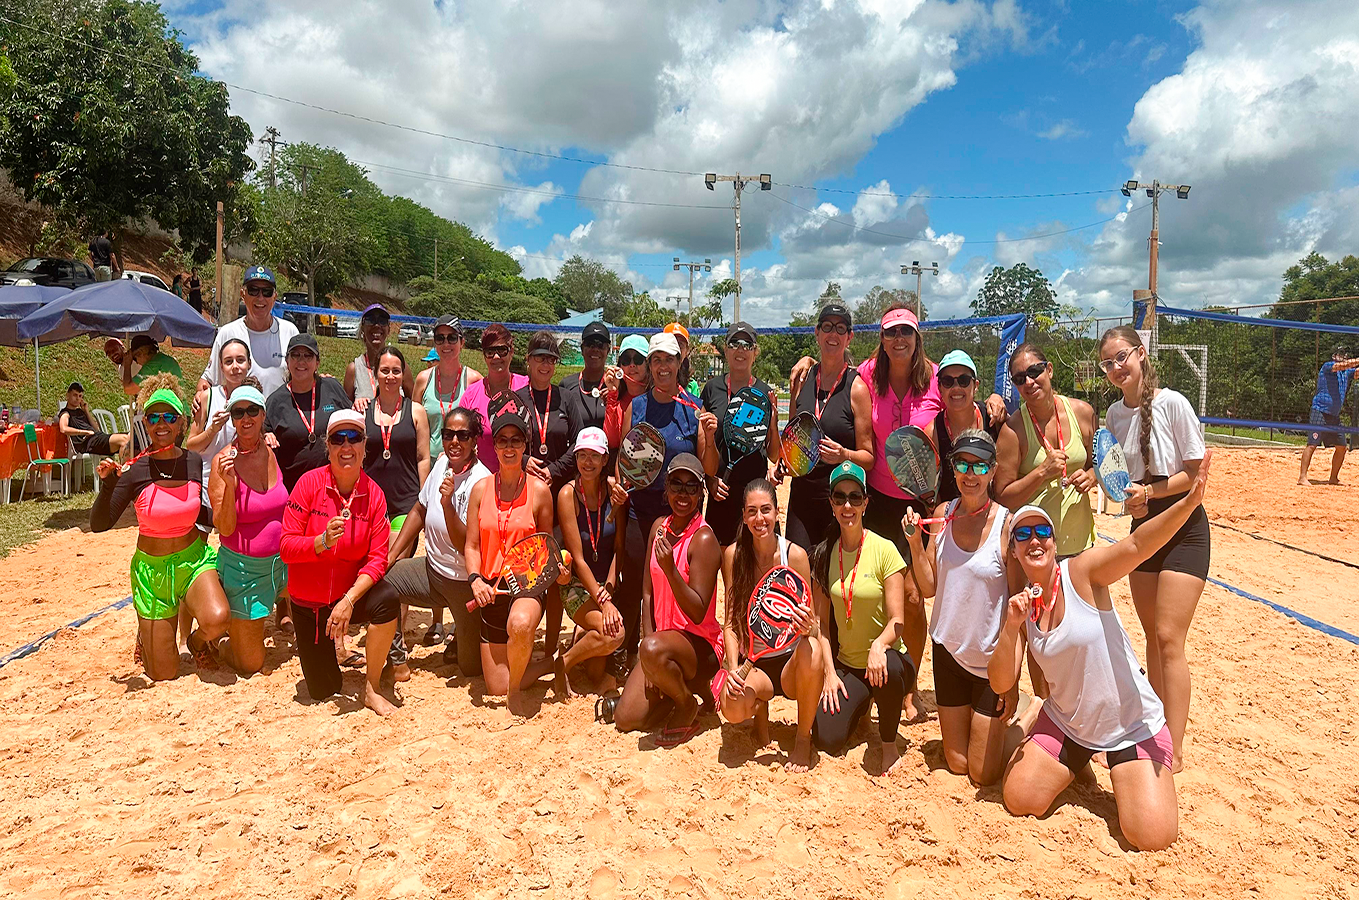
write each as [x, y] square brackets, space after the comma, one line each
[595, 331]
[305, 341]
[449, 322]
[742, 329]
[140, 341]
[835, 310]
[506, 418]
[75, 386]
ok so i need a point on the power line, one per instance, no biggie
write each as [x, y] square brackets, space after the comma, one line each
[894, 194]
[916, 240]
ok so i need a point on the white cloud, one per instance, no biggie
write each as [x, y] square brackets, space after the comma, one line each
[524, 206]
[1062, 130]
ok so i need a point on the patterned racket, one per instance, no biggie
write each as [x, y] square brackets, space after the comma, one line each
[802, 444]
[769, 618]
[914, 461]
[1111, 466]
[641, 457]
[745, 427]
[531, 566]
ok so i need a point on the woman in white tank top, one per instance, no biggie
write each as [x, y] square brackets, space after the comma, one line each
[964, 571]
[1099, 699]
[799, 674]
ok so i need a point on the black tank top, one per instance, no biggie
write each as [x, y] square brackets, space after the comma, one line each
[604, 530]
[837, 423]
[948, 483]
[399, 476]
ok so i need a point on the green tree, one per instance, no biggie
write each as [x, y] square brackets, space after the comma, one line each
[1018, 289]
[586, 284]
[870, 309]
[642, 312]
[99, 137]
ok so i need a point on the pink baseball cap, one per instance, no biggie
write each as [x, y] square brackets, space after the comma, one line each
[591, 439]
[900, 317]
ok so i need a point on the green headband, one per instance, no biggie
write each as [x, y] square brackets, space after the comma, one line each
[168, 397]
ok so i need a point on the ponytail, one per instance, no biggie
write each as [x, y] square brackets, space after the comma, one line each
[1150, 382]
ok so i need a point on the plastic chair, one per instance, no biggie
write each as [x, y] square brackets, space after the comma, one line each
[125, 411]
[35, 461]
[106, 422]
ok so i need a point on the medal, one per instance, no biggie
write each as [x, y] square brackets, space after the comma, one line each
[542, 449]
[542, 419]
[231, 452]
[345, 514]
[386, 454]
[309, 424]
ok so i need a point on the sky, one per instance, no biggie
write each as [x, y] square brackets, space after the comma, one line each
[892, 131]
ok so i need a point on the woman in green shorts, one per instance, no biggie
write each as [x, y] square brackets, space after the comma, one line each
[172, 565]
[590, 535]
[248, 496]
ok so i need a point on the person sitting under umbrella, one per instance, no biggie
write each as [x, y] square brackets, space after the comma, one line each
[146, 353]
[74, 422]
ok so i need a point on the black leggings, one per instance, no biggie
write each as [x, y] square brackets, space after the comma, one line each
[831, 731]
[629, 599]
[315, 649]
[809, 513]
[883, 518]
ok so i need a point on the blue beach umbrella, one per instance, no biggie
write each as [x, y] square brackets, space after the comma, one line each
[16, 302]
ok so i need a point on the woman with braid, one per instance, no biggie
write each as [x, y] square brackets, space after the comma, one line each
[1160, 435]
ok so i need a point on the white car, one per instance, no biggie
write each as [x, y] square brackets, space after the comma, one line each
[347, 326]
[146, 278]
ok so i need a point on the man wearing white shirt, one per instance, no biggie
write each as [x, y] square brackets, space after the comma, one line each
[266, 335]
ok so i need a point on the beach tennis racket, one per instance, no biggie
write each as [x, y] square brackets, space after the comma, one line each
[801, 444]
[530, 567]
[913, 461]
[745, 427]
[641, 457]
[1111, 466]
[770, 621]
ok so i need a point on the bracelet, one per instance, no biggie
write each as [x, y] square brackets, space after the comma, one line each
[475, 577]
[325, 544]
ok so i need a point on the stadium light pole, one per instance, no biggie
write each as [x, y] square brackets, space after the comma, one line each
[1154, 191]
[739, 182]
[676, 298]
[916, 269]
[706, 266]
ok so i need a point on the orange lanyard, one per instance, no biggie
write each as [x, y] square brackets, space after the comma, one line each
[439, 390]
[1042, 432]
[949, 430]
[848, 594]
[1036, 591]
[593, 527]
[309, 423]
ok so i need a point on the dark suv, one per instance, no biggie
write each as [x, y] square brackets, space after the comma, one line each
[51, 271]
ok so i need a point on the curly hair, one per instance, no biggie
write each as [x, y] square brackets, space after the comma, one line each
[153, 383]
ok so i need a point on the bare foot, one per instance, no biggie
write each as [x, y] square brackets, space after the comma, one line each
[376, 702]
[800, 760]
[1303, 482]
[762, 724]
[401, 672]
[1334, 481]
[909, 711]
[891, 757]
[518, 705]
[561, 684]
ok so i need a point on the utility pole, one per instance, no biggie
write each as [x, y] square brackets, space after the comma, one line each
[706, 266]
[916, 269]
[676, 298]
[1154, 191]
[436, 258]
[738, 182]
[271, 136]
[221, 216]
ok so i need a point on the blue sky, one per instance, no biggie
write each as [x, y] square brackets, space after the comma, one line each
[894, 98]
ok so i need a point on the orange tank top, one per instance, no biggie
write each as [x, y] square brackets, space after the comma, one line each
[502, 524]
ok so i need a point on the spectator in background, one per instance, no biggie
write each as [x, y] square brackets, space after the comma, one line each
[146, 353]
[177, 285]
[195, 292]
[74, 422]
[266, 334]
[1333, 381]
[103, 259]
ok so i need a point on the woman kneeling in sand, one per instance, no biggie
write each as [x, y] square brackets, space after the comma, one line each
[1100, 701]
[798, 673]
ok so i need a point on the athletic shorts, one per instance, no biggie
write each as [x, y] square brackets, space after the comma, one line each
[495, 619]
[251, 583]
[1157, 748]
[955, 686]
[1321, 436]
[707, 658]
[160, 583]
[1188, 551]
[574, 596]
[773, 667]
[97, 444]
[397, 522]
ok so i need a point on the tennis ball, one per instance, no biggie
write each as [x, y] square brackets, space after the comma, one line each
[566, 558]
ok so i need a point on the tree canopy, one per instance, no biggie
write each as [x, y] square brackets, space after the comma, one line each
[1018, 289]
[100, 137]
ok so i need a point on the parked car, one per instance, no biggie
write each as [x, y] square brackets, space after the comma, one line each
[409, 333]
[296, 298]
[49, 270]
[347, 326]
[146, 278]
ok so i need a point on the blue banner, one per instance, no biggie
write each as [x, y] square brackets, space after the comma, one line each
[1011, 336]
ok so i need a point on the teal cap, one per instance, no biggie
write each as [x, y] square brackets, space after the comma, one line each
[848, 469]
[432, 355]
[635, 342]
[245, 394]
[958, 358]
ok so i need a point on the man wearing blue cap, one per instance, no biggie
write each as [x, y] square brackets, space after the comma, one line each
[265, 334]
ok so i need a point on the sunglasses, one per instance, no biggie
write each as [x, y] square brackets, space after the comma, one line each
[596, 343]
[837, 327]
[447, 338]
[240, 412]
[741, 344]
[495, 352]
[346, 436]
[1108, 365]
[963, 381]
[853, 498]
[301, 354]
[1026, 532]
[631, 358]
[169, 418]
[457, 434]
[977, 468]
[504, 443]
[897, 331]
[692, 488]
[1032, 371]
[260, 291]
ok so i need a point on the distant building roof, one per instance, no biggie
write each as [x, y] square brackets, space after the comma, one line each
[580, 320]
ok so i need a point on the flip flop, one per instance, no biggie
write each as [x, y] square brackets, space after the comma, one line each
[604, 709]
[355, 660]
[673, 737]
[433, 635]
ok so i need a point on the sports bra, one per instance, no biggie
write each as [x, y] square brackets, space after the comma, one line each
[168, 497]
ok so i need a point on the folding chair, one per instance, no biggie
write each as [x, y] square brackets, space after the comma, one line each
[35, 461]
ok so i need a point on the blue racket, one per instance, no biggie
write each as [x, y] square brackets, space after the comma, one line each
[1111, 466]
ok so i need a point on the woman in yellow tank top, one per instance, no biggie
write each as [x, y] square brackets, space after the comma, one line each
[1056, 459]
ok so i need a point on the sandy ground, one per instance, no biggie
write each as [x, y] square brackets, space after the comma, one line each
[223, 787]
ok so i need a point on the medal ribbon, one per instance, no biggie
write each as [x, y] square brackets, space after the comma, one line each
[309, 423]
[1042, 432]
[848, 593]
